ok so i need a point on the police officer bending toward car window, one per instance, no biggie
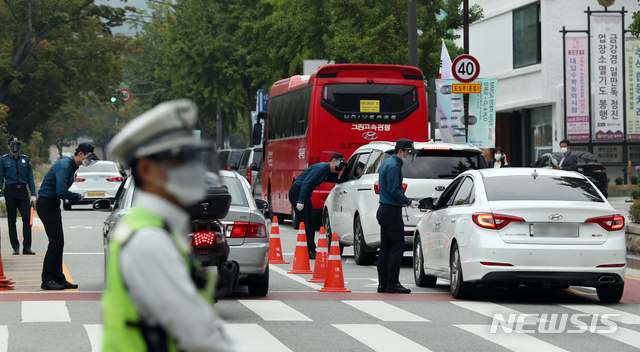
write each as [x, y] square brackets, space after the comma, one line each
[389, 215]
[55, 186]
[16, 174]
[153, 299]
[300, 195]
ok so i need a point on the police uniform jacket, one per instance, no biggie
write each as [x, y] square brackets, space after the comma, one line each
[58, 179]
[390, 180]
[311, 178]
[16, 171]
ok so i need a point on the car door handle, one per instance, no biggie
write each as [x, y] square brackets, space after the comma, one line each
[453, 221]
[343, 192]
[438, 223]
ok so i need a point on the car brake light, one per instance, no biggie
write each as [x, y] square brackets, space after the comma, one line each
[609, 222]
[599, 169]
[247, 230]
[376, 187]
[78, 179]
[437, 148]
[206, 238]
[114, 179]
[611, 265]
[495, 264]
[494, 221]
[314, 160]
[248, 175]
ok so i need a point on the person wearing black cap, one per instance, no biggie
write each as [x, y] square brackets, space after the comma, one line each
[55, 186]
[300, 195]
[389, 216]
[16, 173]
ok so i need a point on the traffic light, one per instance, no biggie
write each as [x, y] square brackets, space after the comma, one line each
[114, 99]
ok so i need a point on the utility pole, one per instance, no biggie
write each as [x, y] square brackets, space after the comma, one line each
[465, 97]
[412, 6]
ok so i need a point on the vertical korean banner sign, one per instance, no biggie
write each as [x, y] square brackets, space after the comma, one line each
[632, 60]
[577, 86]
[482, 109]
[607, 58]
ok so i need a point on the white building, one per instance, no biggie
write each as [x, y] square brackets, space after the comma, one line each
[520, 42]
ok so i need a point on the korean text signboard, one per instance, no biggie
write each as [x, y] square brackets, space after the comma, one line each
[632, 61]
[577, 83]
[607, 59]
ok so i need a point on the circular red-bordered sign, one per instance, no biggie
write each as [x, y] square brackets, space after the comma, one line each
[465, 68]
[126, 94]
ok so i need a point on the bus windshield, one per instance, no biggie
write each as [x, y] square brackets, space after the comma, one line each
[395, 100]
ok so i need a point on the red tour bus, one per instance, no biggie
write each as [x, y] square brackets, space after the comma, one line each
[336, 109]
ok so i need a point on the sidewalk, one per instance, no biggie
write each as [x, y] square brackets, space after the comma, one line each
[622, 205]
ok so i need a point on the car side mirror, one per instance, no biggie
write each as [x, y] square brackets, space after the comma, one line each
[426, 203]
[257, 134]
[254, 167]
[262, 204]
[102, 205]
[233, 166]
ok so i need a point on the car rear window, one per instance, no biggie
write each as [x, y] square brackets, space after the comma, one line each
[98, 168]
[432, 164]
[235, 189]
[527, 187]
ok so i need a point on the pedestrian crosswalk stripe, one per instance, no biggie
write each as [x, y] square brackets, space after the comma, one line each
[622, 317]
[379, 338]
[94, 331]
[514, 341]
[254, 338]
[274, 310]
[44, 311]
[384, 311]
[4, 338]
[490, 309]
[624, 335]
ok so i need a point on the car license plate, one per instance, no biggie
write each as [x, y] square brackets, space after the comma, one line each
[95, 194]
[553, 230]
[213, 269]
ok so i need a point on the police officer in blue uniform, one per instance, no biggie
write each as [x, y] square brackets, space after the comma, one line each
[55, 186]
[300, 195]
[16, 174]
[389, 215]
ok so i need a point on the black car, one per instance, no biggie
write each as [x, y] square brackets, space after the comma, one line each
[588, 165]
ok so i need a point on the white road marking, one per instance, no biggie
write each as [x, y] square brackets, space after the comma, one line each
[274, 310]
[384, 311]
[490, 309]
[4, 338]
[45, 311]
[624, 335]
[379, 338]
[254, 338]
[514, 341]
[295, 278]
[622, 317]
[94, 331]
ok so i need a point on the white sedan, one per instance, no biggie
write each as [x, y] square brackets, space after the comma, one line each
[521, 226]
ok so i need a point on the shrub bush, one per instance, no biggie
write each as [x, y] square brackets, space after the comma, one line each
[634, 180]
[618, 180]
[634, 213]
[635, 194]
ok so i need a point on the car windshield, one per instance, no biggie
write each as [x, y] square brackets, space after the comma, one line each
[431, 164]
[527, 187]
[98, 167]
[234, 187]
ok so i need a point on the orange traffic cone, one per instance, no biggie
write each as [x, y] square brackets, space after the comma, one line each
[322, 258]
[301, 258]
[334, 282]
[5, 284]
[275, 247]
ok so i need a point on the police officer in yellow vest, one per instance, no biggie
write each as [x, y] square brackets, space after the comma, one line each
[151, 301]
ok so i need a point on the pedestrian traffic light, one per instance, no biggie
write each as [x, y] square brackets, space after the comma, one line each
[114, 99]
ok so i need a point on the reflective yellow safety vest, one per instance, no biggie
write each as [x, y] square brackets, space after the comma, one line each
[123, 328]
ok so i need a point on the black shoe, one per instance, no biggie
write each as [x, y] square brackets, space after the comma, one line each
[16, 251]
[312, 255]
[67, 285]
[51, 285]
[397, 289]
[27, 251]
[382, 288]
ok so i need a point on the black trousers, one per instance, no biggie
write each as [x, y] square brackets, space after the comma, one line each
[306, 216]
[391, 244]
[51, 216]
[18, 198]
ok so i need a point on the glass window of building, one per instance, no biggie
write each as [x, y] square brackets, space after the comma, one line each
[541, 132]
[526, 36]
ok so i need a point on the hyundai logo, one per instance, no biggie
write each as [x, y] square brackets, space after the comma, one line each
[370, 135]
[555, 217]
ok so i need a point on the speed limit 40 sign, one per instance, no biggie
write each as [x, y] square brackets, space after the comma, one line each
[465, 68]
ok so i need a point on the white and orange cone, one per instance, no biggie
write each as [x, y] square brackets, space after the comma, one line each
[275, 246]
[334, 282]
[301, 257]
[322, 258]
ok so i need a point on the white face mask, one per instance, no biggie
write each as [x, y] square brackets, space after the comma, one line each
[498, 157]
[564, 150]
[187, 183]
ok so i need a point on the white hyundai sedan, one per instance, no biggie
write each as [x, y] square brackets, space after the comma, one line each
[521, 226]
